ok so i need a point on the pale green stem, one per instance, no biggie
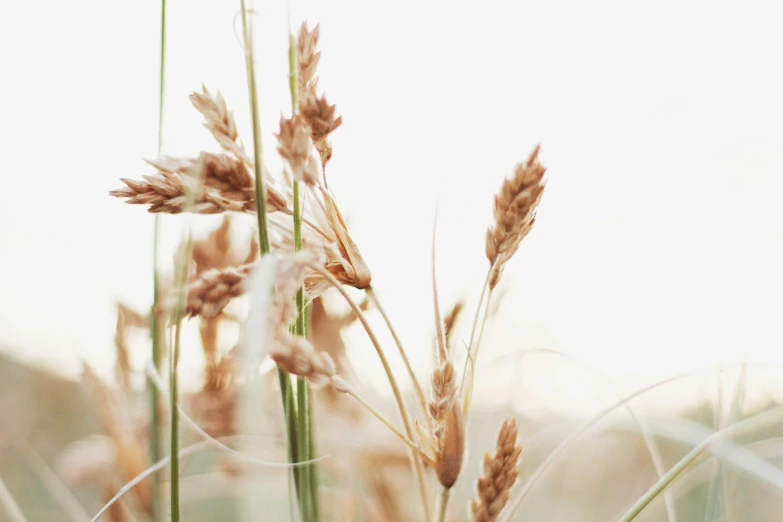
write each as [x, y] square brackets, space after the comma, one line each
[180, 282]
[443, 505]
[156, 332]
[286, 389]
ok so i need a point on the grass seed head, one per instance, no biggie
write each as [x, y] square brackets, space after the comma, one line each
[515, 213]
[499, 472]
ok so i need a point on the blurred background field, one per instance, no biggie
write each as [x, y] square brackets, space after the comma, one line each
[657, 249]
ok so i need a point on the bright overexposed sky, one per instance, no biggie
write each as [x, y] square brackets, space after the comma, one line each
[659, 242]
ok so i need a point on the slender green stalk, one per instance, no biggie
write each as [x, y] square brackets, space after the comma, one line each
[443, 506]
[308, 492]
[181, 280]
[156, 446]
[263, 236]
[286, 389]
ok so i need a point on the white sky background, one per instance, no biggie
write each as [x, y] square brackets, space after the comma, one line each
[658, 243]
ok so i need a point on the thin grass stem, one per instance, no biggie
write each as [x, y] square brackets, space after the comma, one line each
[156, 449]
[415, 462]
[473, 351]
[470, 358]
[443, 505]
[544, 466]
[378, 415]
[370, 292]
[770, 416]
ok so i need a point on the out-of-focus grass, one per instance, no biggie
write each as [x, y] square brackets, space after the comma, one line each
[595, 480]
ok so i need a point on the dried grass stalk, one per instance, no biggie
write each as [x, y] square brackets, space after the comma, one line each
[499, 472]
[515, 213]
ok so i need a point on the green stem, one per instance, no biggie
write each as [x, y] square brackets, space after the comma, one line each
[156, 449]
[308, 481]
[444, 504]
[180, 281]
[263, 236]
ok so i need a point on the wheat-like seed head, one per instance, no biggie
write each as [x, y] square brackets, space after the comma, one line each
[307, 58]
[220, 122]
[320, 116]
[295, 146]
[315, 110]
[208, 295]
[499, 472]
[217, 182]
[515, 212]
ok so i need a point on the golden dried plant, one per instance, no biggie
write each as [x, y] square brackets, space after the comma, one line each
[515, 213]
[316, 111]
[498, 474]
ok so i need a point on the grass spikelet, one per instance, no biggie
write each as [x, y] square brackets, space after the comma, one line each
[307, 58]
[295, 147]
[219, 121]
[515, 213]
[316, 111]
[211, 293]
[499, 472]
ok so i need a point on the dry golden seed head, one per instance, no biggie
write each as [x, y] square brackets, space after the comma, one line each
[296, 148]
[514, 212]
[214, 182]
[448, 459]
[220, 122]
[307, 57]
[208, 295]
[498, 475]
[350, 269]
[319, 115]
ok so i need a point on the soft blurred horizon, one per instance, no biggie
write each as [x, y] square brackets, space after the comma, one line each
[659, 240]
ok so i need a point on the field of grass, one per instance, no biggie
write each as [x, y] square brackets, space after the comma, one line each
[286, 423]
